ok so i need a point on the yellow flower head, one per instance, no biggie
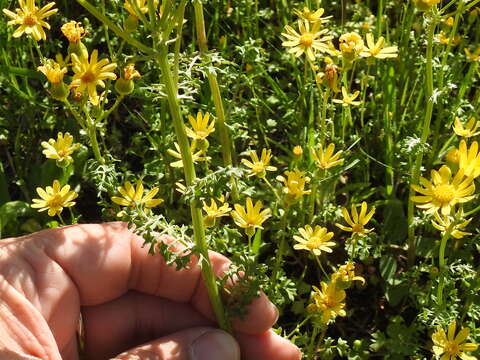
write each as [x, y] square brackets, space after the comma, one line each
[357, 221]
[325, 158]
[469, 130]
[315, 240]
[312, 16]
[329, 301]
[54, 198]
[345, 275]
[453, 156]
[469, 159]
[294, 185]
[351, 45]
[259, 166]
[330, 75]
[348, 99]
[450, 346]
[297, 151]
[129, 72]
[449, 21]
[444, 193]
[73, 31]
[133, 196]
[441, 38]
[60, 149]
[31, 19]
[53, 71]
[200, 126]
[308, 41]
[197, 156]
[425, 5]
[250, 218]
[475, 56]
[89, 75]
[442, 223]
[376, 49]
[214, 211]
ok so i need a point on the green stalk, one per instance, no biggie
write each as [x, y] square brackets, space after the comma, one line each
[441, 261]
[281, 248]
[92, 134]
[425, 132]
[189, 170]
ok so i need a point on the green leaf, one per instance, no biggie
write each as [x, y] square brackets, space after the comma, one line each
[257, 242]
[395, 224]
[388, 268]
[10, 211]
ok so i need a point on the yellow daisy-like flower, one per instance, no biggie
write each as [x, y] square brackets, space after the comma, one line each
[329, 301]
[54, 198]
[351, 45]
[475, 56]
[294, 185]
[53, 71]
[442, 223]
[312, 16]
[250, 218]
[73, 31]
[60, 149]
[469, 159]
[214, 211]
[197, 156]
[357, 221]
[200, 126]
[31, 19]
[450, 346]
[346, 274]
[376, 49]
[325, 158]
[259, 166]
[133, 196]
[348, 99]
[425, 5]
[444, 193]
[89, 75]
[308, 41]
[314, 240]
[468, 130]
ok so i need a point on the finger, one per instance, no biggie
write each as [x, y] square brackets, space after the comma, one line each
[200, 343]
[134, 319]
[267, 346]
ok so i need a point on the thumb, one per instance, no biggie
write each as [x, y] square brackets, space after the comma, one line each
[201, 343]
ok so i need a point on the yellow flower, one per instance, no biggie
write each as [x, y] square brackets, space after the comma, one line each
[89, 75]
[308, 41]
[425, 5]
[469, 159]
[449, 21]
[196, 156]
[53, 71]
[475, 56]
[54, 198]
[73, 31]
[325, 159]
[60, 149]
[297, 151]
[450, 345]
[213, 211]
[124, 84]
[443, 223]
[348, 99]
[351, 45]
[133, 197]
[259, 166]
[330, 75]
[30, 18]
[200, 126]
[129, 72]
[443, 39]
[469, 130]
[312, 16]
[346, 274]
[314, 240]
[329, 301]
[444, 193]
[357, 221]
[377, 50]
[252, 218]
[294, 185]
[453, 156]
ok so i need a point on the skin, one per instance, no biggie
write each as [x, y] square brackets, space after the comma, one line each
[132, 304]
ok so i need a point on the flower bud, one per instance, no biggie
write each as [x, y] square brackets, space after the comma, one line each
[59, 91]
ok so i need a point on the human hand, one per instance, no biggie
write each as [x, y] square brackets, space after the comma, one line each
[133, 305]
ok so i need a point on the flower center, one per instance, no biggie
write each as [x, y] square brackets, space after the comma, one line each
[258, 167]
[88, 77]
[313, 242]
[358, 228]
[306, 39]
[451, 348]
[30, 19]
[55, 201]
[444, 193]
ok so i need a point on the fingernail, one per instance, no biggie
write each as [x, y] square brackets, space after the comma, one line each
[215, 345]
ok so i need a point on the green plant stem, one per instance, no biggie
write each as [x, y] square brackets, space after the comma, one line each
[189, 170]
[107, 113]
[279, 200]
[311, 346]
[441, 261]
[298, 327]
[76, 115]
[92, 134]
[425, 132]
[281, 247]
[321, 266]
